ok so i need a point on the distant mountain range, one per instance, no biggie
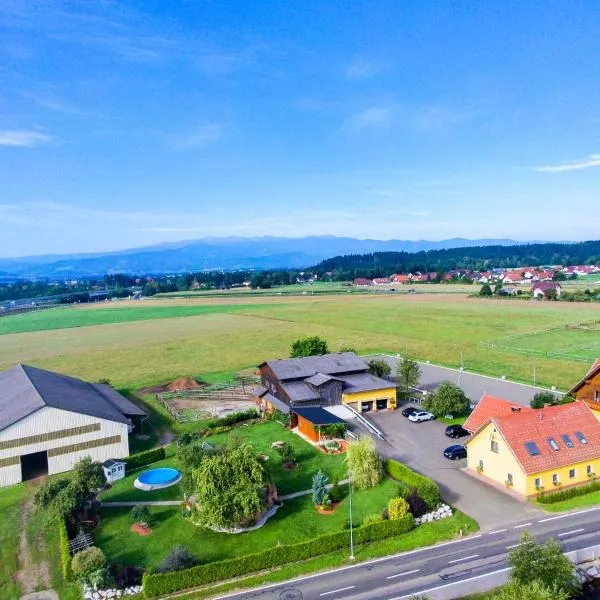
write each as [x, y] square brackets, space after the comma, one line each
[228, 254]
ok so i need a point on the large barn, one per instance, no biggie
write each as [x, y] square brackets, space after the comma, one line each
[49, 421]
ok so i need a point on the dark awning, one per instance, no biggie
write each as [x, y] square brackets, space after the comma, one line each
[317, 415]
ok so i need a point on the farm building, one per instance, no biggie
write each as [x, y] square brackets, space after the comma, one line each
[539, 290]
[49, 421]
[320, 381]
[530, 450]
[588, 389]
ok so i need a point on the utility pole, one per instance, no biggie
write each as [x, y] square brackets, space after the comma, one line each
[350, 508]
[534, 371]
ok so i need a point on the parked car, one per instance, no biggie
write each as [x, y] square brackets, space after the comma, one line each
[456, 431]
[410, 410]
[421, 416]
[455, 452]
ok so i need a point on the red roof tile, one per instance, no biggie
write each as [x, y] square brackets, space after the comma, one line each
[488, 407]
[551, 422]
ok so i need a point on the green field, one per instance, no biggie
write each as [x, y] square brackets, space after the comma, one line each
[222, 337]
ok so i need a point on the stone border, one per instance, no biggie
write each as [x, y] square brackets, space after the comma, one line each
[270, 513]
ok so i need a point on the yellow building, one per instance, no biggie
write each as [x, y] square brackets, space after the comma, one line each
[530, 450]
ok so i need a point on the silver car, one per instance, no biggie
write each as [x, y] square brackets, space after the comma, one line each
[421, 416]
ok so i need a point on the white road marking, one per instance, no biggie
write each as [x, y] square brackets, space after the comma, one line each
[515, 545]
[497, 531]
[401, 574]
[573, 514]
[464, 558]
[571, 532]
[440, 587]
[523, 525]
[336, 591]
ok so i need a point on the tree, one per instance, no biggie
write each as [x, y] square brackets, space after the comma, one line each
[544, 563]
[88, 475]
[550, 294]
[498, 288]
[447, 399]
[408, 374]
[364, 463]
[540, 399]
[45, 495]
[87, 562]
[528, 591]
[189, 456]
[319, 487]
[379, 368]
[140, 514]
[486, 290]
[397, 508]
[230, 486]
[287, 452]
[309, 346]
[179, 558]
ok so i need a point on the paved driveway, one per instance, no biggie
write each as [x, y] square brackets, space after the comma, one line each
[420, 446]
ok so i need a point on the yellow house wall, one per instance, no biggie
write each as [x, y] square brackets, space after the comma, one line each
[581, 476]
[595, 412]
[388, 393]
[496, 466]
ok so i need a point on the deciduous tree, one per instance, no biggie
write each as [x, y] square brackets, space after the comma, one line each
[379, 367]
[309, 346]
[408, 374]
[364, 463]
[447, 399]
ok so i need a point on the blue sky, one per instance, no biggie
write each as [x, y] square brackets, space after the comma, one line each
[134, 122]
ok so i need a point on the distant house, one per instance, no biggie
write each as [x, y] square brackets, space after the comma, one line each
[538, 290]
[362, 282]
[432, 276]
[381, 281]
[588, 388]
[49, 421]
[508, 291]
[323, 381]
[529, 450]
[512, 277]
[401, 279]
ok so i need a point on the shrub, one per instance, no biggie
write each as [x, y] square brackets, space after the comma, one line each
[140, 514]
[335, 430]
[44, 496]
[101, 578]
[233, 418]
[141, 459]
[397, 508]
[540, 399]
[159, 584]
[417, 507]
[567, 494]
[424, 487]
[179, 558]
[65, 554]
[335, 493]
[287, 452]
[319, 489]
[87, 562]
[370, 519]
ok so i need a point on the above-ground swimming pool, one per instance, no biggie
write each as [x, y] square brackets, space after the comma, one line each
[155, 479]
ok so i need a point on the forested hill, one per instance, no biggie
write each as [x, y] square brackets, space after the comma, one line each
[477, 258]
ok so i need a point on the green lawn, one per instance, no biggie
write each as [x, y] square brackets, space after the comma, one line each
[591, 499]
[296, 521]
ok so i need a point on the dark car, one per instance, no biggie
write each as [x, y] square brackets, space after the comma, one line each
[410, 410]
[455, 452]
[456, 431]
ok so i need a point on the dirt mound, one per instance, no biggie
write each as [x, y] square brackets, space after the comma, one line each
[141, 529]
[183, 384]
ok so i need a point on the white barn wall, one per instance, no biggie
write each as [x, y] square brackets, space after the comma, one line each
[49, 419]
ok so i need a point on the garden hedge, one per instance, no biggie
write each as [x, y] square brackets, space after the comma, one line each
[65, 555]
[426, 488]
[144, 458]
[567, 494]
[158, 584]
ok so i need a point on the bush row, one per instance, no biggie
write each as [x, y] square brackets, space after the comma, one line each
[65, 555]
[158, 584]
[427, 489]
[232, 419]
[144, 458]
[567, 494]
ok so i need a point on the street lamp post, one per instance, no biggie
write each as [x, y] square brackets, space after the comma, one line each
[350, 509]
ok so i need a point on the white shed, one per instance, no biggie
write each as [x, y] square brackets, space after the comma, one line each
[114, 469]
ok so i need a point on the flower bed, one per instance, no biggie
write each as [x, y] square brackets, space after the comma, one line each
[333, 447]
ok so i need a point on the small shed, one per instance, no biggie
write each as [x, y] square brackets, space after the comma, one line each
[114, 469]
[309, 420]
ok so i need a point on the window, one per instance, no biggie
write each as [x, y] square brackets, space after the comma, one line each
[555, 479]
[567, 440]
[553, 444]
[538, 482]
[494, 447]
[532, 448]
[597, 395]
[509, 478]
[571, 473]
[589, 470]
[480, 465]
[582, 439]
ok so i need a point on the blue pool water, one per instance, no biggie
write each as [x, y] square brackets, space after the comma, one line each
[160, 476]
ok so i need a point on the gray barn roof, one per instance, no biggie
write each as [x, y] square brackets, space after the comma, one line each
[365, 382]
[25, 389]
[329, 364]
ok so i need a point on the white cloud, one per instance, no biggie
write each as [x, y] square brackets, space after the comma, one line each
[593, 160]
[23, 139]
[360, 69]
[374, 117]
[203, 136]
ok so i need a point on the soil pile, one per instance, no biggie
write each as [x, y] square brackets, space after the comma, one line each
[183, 384]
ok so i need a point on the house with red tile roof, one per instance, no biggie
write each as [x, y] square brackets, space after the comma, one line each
[530, 450]
[362, 282]
[402, 279]
[381, 281]
[538, 290]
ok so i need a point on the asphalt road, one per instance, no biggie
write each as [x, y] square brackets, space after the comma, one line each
[431, 569]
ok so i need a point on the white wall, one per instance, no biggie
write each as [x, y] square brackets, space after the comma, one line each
[49, 419]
